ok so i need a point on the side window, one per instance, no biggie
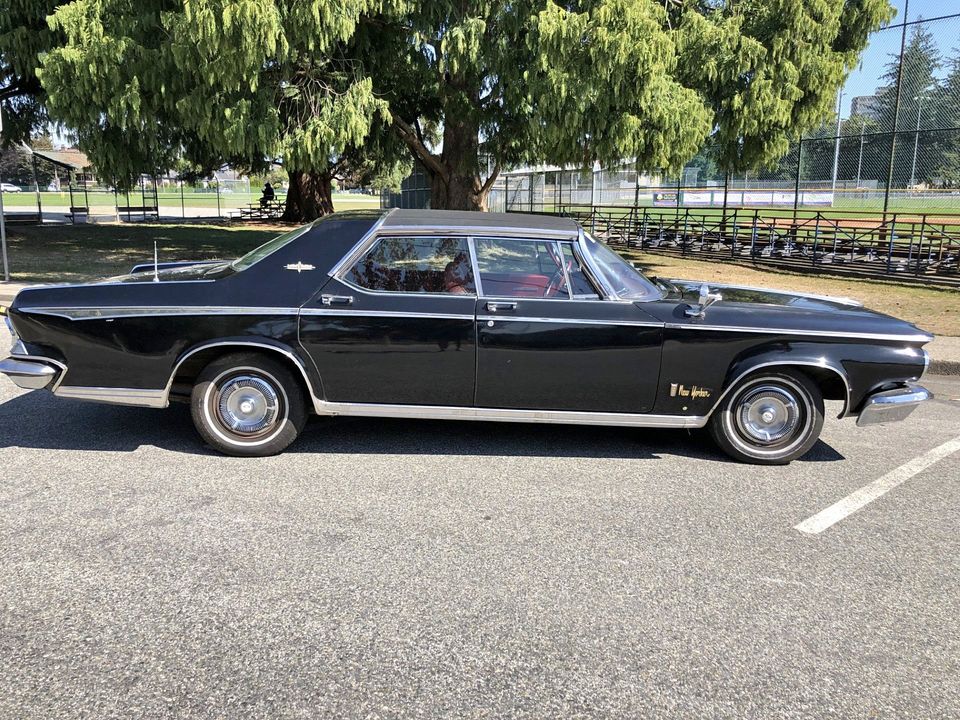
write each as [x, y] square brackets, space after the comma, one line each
[415, 265]
[581, 287]
[521, 268]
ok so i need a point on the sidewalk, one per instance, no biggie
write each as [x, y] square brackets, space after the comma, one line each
[8, 290]
[944, 351]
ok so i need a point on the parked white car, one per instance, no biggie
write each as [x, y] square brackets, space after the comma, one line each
[7, 187]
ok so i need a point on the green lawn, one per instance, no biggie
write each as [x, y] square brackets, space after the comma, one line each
[72, 253]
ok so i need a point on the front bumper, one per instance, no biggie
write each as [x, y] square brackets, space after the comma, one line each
[30, 373]
[892, 405]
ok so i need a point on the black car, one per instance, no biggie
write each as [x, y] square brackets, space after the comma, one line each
[463, 316]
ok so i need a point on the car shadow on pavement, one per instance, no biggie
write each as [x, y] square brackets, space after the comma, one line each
[42, 421]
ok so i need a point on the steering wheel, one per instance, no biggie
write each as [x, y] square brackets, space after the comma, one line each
[556, 282]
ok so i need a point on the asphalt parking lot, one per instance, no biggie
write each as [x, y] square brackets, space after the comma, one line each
[424, 569]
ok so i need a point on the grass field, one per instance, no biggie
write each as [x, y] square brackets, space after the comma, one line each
[70, 253]
[933, 309]
[169, 201]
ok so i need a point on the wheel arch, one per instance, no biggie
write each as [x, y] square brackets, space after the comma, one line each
[192, 361]
[828, 375]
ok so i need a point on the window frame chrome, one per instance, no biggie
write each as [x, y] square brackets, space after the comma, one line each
[342, 275]
[558, 243]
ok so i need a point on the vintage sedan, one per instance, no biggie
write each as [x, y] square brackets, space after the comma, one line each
[462, 316]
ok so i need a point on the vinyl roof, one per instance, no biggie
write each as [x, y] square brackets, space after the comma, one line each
[515, 223]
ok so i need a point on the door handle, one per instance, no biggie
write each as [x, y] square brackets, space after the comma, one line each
[501, 306]
[336, 299]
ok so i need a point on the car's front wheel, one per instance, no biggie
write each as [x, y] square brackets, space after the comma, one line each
[247, 405]
[769, 418]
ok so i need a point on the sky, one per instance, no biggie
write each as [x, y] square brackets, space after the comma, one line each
[883, 44]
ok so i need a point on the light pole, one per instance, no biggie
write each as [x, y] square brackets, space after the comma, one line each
[3, 223]
[860, 156]
[916, 141]
[836, 149]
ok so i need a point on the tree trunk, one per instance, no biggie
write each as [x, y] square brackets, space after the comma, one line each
[459, 187]
[310, 196]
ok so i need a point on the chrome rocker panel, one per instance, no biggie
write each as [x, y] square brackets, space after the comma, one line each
[892, 405]
[114, 396]
[559, 417]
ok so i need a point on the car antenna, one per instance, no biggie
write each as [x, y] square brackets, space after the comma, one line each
[156, 267]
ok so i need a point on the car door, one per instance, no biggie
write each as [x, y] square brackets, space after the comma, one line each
[397, 326]
[547, 340]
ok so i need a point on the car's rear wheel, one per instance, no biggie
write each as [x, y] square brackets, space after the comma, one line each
[769, 418]
[247, 405]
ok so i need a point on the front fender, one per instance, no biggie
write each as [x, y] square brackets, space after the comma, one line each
[827, 359]
[862, 367]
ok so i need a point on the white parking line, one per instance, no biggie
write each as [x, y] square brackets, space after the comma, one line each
[868, 493]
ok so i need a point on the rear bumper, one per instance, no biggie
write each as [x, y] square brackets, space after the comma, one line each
[31, 373]
[892, 405]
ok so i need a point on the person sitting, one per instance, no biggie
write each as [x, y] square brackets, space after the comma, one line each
[457, 276]
[268, 195]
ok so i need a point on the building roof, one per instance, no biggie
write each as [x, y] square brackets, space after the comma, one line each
[69, 159]
[480, 222]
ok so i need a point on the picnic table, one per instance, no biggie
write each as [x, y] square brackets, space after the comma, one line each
[263, 210]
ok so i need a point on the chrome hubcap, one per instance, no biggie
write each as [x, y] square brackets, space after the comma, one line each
[248, 405]
[768, 414]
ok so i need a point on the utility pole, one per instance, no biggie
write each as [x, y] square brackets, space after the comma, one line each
[896, 110]
[3, 223]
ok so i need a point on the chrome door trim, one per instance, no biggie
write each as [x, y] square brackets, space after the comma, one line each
[114, 395]
[569, 321]
[127, 311]
[805, 333]
[562, 417]
[360, 247]
[347, 312]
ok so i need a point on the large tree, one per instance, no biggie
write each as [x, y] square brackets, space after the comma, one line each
[574, 82]
[511, 82]
[24, 36]
[240, 81]
[769, 70]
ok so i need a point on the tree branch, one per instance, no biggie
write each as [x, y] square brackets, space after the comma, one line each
[420, 151]
[485, 188]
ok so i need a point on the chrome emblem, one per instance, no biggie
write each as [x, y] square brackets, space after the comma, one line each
[694, 392]
[299, 267]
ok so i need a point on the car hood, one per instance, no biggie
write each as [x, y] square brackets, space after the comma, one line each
[747, 307]
[766, 296]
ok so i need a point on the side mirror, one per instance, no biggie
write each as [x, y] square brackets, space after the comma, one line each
[706, 298]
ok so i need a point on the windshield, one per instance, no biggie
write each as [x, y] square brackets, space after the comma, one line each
[269, 247]
[620, 275]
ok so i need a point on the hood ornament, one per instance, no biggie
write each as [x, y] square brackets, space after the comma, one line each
[706, 299]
